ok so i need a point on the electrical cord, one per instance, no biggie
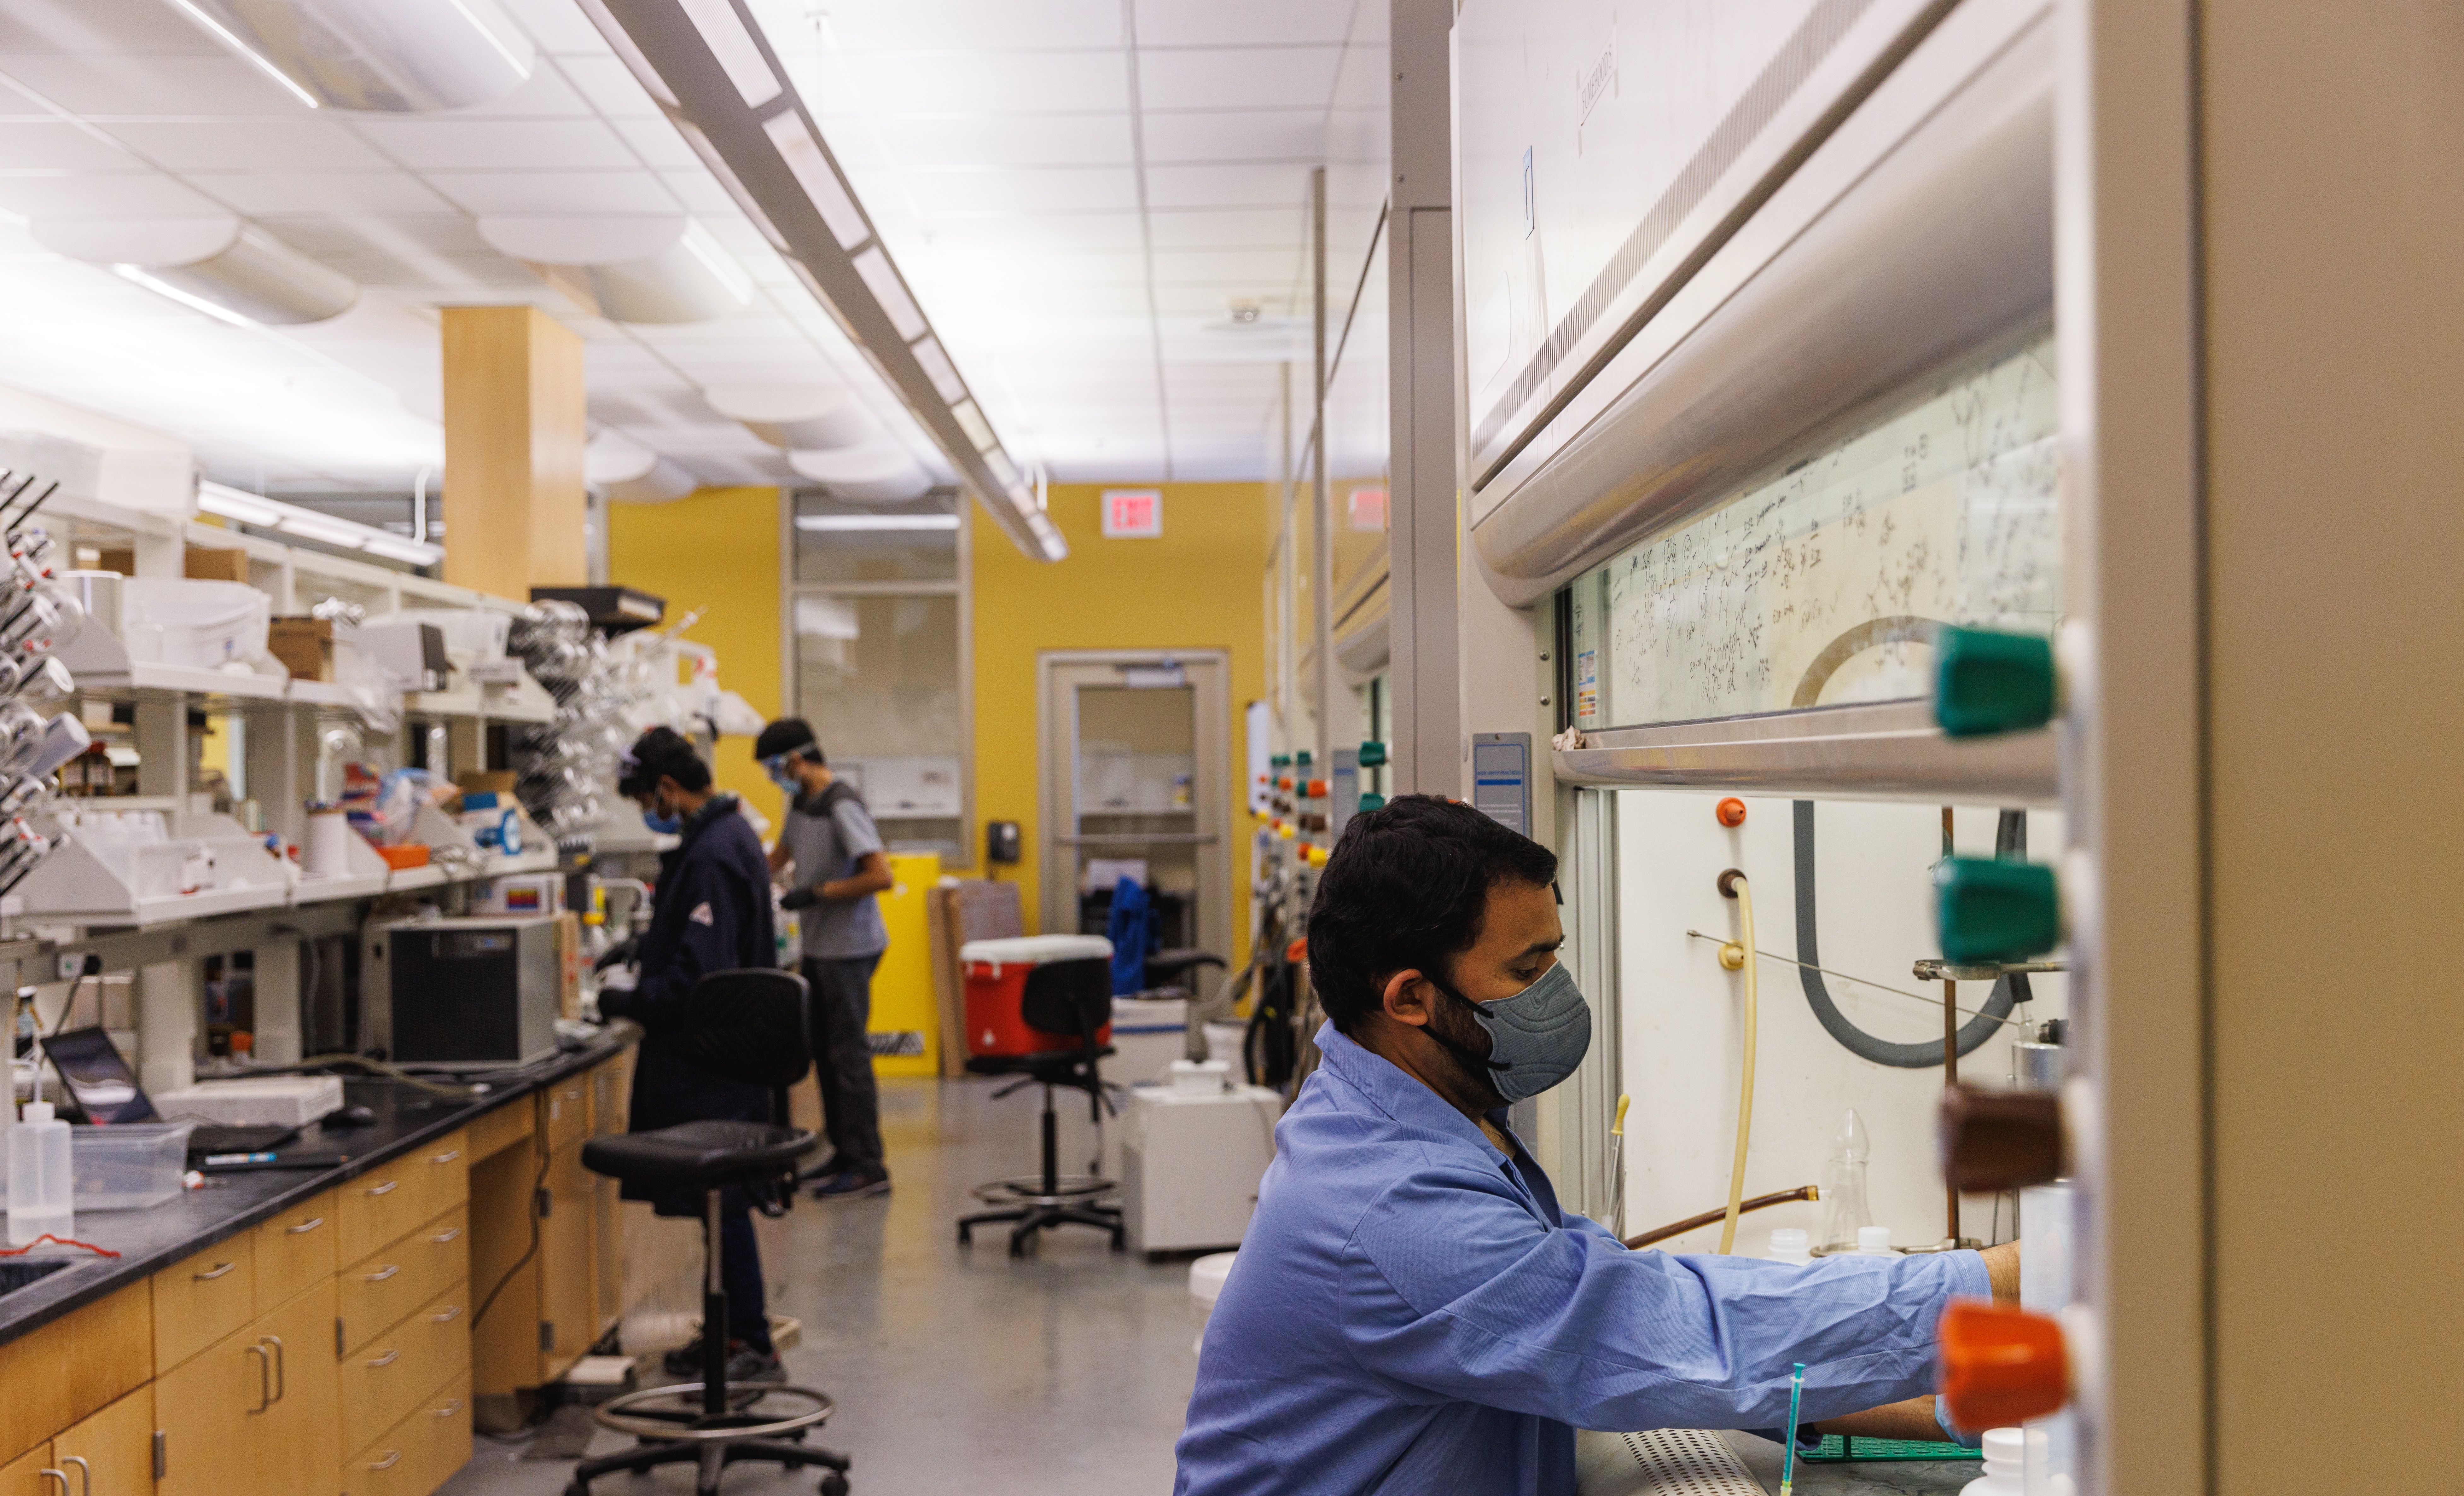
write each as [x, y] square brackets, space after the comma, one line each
[1738, 887]
[538, 1184]
[395, 1073]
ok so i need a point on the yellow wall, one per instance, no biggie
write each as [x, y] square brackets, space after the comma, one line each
[716, 550]
[1194, 588]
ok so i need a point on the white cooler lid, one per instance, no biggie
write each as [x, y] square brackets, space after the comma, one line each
[1206, 1276]
[1034, 950]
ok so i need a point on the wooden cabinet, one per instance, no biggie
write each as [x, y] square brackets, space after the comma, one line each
[385, 1380]
[558, 1303]
[385, 1204]
[380, 1289]
[565, 1111]
[297, 1438]
[421, 1452]
[255, 1412]
[115, 1445]
[296, 1248]
[74, 1367]
[26, 1475]
[201, 1299]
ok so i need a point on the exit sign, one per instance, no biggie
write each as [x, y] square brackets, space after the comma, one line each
[1133, 513]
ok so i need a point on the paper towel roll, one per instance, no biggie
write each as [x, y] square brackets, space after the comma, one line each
[325, 852]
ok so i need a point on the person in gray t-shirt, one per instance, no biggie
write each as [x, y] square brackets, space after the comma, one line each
[835, 853]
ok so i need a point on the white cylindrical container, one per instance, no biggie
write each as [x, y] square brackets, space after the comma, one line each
[1206, 1277]
[1200, 1077]
[42, 1180]
[1873, 1241]
[2006, 1465]
[323, 853]
[1791, 1244]
[1223, 1041]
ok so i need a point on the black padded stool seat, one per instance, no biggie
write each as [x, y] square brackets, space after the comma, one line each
[703, 1156]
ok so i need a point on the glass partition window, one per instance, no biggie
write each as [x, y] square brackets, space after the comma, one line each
[837, 541]
[1824, 585]
[877, 675]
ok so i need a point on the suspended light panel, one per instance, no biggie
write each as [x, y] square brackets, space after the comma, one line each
[380, 56]
[807, 418]
[223, 267]
[658, 268]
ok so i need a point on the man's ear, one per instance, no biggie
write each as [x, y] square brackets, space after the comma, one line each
[1407, 996]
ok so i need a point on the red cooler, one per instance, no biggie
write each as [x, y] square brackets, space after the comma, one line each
[997, 987]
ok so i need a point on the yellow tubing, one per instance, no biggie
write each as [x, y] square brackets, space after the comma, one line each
[1745, 1095]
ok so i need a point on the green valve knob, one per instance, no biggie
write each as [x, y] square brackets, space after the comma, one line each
[1301, 759]
[1281, 761]
[1372, 801]
[1372, 754]
[1991, 910]
[1987, 682]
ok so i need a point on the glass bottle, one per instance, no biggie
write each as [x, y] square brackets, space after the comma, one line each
[1843, 1187]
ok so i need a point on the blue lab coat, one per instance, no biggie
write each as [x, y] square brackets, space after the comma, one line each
[1411, 1315]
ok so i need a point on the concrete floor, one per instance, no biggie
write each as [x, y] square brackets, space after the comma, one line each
[955, 1372]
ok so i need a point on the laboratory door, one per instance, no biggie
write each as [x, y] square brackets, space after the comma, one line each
[1135, 753]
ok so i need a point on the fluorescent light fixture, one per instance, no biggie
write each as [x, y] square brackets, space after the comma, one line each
[712, 256]
[165, 289]
[937, 368]
[881, 278]
[379, 56]
[722, 31]
[818, 177]
[830, 524]
[218, 265]
[979, 431]
[254, 509]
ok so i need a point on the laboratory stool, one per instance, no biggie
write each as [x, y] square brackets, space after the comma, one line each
[1178, 967]
[1061, 997]
[710, 1425]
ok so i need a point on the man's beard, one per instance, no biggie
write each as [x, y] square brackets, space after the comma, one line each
[1466, 1046]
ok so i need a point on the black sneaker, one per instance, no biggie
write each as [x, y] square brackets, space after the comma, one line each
[745, 1364]
[823, 1173]
[684, 1362]
[855, 1183]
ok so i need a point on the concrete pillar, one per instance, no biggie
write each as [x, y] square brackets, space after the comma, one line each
[515, 427]
[168, 997]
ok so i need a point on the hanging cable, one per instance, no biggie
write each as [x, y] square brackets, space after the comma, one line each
[1733, 886]
[1895, 991]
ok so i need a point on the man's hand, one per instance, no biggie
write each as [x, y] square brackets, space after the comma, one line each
[804, 897]
[2002, 1266]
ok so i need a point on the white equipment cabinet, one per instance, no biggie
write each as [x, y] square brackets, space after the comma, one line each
[1191, 1163]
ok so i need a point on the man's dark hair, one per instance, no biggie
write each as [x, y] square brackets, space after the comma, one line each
[1408, 887]
[788, 735]
[662, 753]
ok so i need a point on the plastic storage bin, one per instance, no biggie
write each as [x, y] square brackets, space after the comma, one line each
[130, 1165]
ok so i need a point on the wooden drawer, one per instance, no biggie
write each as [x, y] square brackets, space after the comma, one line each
[24, 1475]
[81, 1363]
[388, 1203]
[383, 1286]
[500, 1129]
[296, 1248]
[565, 1111]
[116, 1446]
[202, 1299]
[420, 1453]
[611, 1094]
[384, 1380]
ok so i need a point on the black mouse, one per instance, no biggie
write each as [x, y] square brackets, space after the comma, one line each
[352, 1117]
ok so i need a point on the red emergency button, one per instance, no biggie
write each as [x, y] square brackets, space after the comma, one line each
[2001, 1367]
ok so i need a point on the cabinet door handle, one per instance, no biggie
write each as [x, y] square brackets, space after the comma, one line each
[447, 1157]
[281, 1367]
[62, 1476]
[381, 1273]
[222, 1269]
[305, 1226]
[450, 1315]
[452, 1232]
[387, 1359]
[393, 1457]
[385, 1188]
[264, 1376]
[450, 1409]
[85, 1473]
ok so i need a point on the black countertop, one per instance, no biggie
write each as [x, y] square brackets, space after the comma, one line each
[149, 1241]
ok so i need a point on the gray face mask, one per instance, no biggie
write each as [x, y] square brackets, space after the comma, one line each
[1536, 1038]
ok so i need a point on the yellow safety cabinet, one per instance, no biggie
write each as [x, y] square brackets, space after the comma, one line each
[902, 984]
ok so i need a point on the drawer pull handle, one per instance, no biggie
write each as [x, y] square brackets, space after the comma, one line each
[305, 1226]
[450, 1409]
[447, 1157]
[221, 1269]
[385, 1188]
[452, 1233]
[387, 1359]
[450, 1315]
[62, 1476]
[393, 1457]
[383, 1273]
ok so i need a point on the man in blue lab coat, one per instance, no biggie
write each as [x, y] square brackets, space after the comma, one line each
[1411, 1313]
[710, 912]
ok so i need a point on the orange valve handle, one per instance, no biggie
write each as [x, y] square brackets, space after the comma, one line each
[1317, 789]
[1732, 812]
[2001, 1367]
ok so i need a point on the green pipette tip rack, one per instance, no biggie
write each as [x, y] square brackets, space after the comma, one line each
[1839, 1450]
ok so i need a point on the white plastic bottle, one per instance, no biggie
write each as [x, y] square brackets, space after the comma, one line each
[2006, 1465]
[1874, 1240]
[1790, 1243]
[41, 1181]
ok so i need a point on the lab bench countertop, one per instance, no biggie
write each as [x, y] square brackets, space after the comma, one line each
[148, 1241]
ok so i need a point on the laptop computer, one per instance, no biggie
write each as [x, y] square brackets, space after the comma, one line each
[104, 1091]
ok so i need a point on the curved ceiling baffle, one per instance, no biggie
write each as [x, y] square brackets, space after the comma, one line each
[625, 470]
[220, 265]
[378, 56]
[797, 417]
[706, 64]
[661, 267]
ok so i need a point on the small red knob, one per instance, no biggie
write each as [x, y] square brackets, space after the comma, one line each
[2001, 1367]
[1317, 789]
[1731, 812]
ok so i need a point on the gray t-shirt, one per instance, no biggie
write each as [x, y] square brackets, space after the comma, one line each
[826, 847]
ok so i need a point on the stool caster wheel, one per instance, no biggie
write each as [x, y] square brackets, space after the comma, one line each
[834, 1484]
[1120, 1243]
[966, 1238]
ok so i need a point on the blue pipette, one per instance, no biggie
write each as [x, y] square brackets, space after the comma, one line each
[1788, 1461]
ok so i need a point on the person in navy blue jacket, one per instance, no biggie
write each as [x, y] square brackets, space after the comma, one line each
[710, 912]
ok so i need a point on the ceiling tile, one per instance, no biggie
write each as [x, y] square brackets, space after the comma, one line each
[101, 25]
[610, 86]
[1228, 186]
[555, 191]
[320, 192]
[547, 96]
[657, 142]
[497, 144]
[1218, 77]
[1211, 23]
[913, 25]
[1248, 229]
[249, 145]
[700, 191]
[1024, 189]
[1177, 136]
[912, 140]
[98, 195]
[557, 25]
[56, 145]
[976, 82]
[143, 86]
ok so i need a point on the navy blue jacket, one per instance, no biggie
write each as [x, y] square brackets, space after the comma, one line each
[710, 912]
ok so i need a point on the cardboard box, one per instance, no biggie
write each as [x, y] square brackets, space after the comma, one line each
[304, 645]
[203, 565]
[485, 781]
[568, 964]
[959, 910]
